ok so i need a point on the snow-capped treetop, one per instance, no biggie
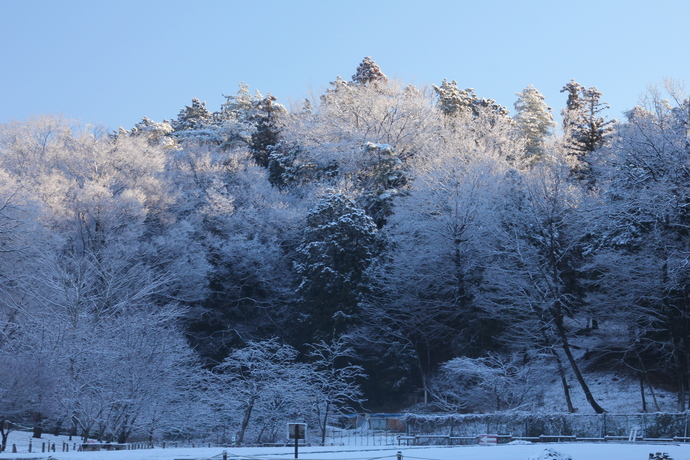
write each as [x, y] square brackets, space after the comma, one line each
[192, 116]
[534, 120]
[368, 71]
[584, 127]
[453, 101]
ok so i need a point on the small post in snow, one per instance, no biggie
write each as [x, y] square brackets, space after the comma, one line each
[399, 455]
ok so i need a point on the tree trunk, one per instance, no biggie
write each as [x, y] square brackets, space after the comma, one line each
[245, 420]
[564, 381]
[685, 346]
[325, 423]
[123, 435]
[680, 375]
[5, 428]
[644, 400]
[649, 384]
[261, 433]
[422, 372]
[573, 365]
[681, 393]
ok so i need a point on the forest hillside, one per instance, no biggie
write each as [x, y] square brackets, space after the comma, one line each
[380, 247]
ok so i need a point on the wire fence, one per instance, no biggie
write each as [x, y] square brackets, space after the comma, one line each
[359, 437]
[653, 425]
[47, 445]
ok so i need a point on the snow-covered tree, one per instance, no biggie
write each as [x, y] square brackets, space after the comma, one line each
[334, 381]
[455, 102]
[421, 303]
[533, 278]
[368, 72]
[339, 244]
[289, 167]
[263, 380]
[196, 124]
[492, 382]
[643, 262]
[249, 120]
[156, 133]
[381, 179]
[332, 134]
[266, 135]
[25, 390]
[241, 226]
[107, 275]
[192, 117]
[584, 127]
[533, 121]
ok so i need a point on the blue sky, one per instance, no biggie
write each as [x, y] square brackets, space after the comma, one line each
[113, 62]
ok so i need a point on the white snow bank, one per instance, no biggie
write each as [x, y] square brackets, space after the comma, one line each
[551, 454]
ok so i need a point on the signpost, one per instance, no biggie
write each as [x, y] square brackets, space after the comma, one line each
[297, 431]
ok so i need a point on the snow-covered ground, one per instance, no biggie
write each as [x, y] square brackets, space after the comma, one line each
[541, 451]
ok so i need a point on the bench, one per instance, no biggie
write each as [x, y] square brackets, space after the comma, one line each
[557, 437]
[616, 438]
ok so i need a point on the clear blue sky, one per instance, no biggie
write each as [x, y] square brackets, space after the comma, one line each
[113, 62]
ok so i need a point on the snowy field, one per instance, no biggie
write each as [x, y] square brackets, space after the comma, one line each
[541, 451]
[575, 451]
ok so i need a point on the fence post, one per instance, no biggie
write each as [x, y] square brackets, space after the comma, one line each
[399, 455]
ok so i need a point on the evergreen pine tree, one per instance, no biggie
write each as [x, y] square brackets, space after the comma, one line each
[155, 133]
[534, 121]
[585, 130]
[193, 116]
[367, 72]
[380, 179]
[451, 100]
[340, 242]
[454, 102]
[266, 134]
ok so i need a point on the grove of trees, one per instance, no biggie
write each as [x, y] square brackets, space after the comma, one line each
[224, 272]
